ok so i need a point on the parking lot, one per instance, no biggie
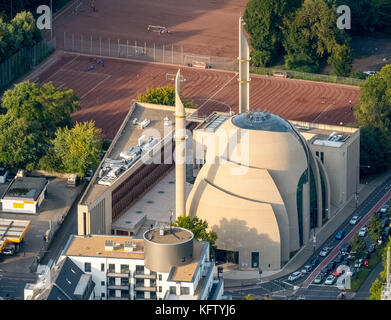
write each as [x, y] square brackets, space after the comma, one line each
[53, 210]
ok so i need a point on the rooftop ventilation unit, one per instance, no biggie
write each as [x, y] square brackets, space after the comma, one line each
[128, 246]
[109, 245]
[142, 140]
[167, 122]
[331, 136]
[144, 123]
[161, 231]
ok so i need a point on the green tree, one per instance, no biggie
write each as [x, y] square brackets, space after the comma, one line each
[199, 228]
[21, 144]
[46, 106]
[75, 150]
[311, 35]
[373, 114]
[26, 30]
[374, 228]
[263, 20]
[375, 290]
[162, 95]
[358, 246]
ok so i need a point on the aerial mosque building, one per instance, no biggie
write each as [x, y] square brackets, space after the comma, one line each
[266, 183]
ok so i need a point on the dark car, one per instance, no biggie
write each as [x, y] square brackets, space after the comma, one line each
[340, 234]
[326, 270]
[314, 262]
[345, 248]
[371, 248]
[345, 262]
[10, 176]
[332, 264]
[386, 231]
[338, 258]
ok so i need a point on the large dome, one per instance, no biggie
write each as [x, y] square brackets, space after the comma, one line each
[261, 121]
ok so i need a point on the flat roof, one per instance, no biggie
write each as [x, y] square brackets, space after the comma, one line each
[128, 137]
[12, 231]
[169, 235]
[26, 188]
[156, 204]
[94, 246]
[186, 272]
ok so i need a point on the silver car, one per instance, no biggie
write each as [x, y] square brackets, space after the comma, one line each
[354, 220]
[295, 276]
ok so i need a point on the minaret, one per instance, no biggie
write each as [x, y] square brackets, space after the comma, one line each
[244, 71]
[180, 151]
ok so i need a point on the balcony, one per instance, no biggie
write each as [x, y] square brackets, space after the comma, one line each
[118, 287]
[118, 275]
[142, 288]
[142, 275]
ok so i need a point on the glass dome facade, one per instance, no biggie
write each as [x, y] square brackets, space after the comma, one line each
[261, 121]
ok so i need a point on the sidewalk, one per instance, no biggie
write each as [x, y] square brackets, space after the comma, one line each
[235, 278]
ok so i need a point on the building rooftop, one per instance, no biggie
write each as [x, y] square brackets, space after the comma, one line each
[94, 246]
[156, 205]
[168, 235]
[26, 188]
[127, 137]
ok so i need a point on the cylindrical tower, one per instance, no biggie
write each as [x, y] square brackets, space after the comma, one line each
[180, 151]
[167, 248]
[244, 71]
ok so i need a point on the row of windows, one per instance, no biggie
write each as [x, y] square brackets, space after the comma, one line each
[321, 155]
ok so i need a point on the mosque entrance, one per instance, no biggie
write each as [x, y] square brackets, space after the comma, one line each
[226, 256]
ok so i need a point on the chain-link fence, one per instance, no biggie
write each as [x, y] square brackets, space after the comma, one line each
[22, 61]
[136, 50]
[307, 76]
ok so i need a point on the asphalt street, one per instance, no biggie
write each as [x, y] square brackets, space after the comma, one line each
[283, 289]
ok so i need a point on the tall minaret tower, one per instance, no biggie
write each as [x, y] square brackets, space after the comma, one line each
[244, 71]
[180, 151]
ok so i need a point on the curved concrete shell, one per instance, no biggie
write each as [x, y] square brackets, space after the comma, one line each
[254, 189]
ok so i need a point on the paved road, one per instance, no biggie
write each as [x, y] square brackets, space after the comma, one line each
[304, 286]
[69, 226]
[12, 284]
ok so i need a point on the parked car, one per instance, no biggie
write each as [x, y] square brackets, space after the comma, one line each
[73, 180]
[330, 279]
[295, 276]
[371, 248]
[340, 234]
[325, 251]
[319, 278]
[9, 249]
[10, 177]
[358, 263]
[314, 262]
[325, 271]
[354, 220]
[306, 269]
[362, 232]
[386, 231]
[339, 258]
[338, 271]
[384, 208]
[345, 249]
[3, 175]
[89, 175]
[332, 264]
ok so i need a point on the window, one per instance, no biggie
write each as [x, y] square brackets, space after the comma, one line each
[322, 157]
[183, 259]
[139, 269]
[102, 267]
[102, 294]
[160, 277]
[317, 153]
[172, 290]
[160, 289]
[102, 283]
[87, 267]
[124, 268]
[112, 268]
[185, 291]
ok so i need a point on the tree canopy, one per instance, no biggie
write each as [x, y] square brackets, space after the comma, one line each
[32, 115]
[74, 150]
[199, 228]
[263, 22]
[358, 246]
[20, 32]
[373, 114]
[164, 96]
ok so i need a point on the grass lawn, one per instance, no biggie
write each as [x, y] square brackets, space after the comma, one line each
[359, 278]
